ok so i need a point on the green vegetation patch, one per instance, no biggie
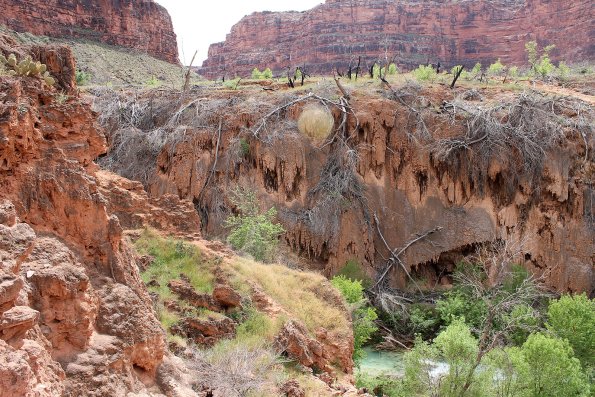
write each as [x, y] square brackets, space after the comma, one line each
[172, 259]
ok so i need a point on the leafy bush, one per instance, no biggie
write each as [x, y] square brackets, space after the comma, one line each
[542, 367]
[256, 74]
[459, 304]
[382, 385]
[425, 73]
[363, 315]
[244, 147]
[316, 121]
[563, 70]
[573, 318]
[513, 72]
[458, 348]
[541, 65]
[252, 231]
[353, 271]
[496, 68]
[376, 70]
[231, 84]
[424, 320]
[523, 320]
[267, 74]
[392, 69]
[476, 71]
[82, 77]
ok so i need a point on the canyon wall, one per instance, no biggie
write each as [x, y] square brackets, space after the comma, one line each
[414, 32]
[139, 24]
[341, 203]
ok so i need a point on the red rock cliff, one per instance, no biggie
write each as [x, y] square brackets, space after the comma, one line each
[75, 317]
[140, 24]
[414, 31]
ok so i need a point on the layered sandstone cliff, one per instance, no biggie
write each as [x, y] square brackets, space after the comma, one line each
[414, 32]
[139, 24]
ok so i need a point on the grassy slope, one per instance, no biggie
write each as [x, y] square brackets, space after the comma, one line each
[301, 295]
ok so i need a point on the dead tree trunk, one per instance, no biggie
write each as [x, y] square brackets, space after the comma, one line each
[187, 77]
[457, 75]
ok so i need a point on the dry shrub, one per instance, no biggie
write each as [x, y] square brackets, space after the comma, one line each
[316, 122]
[233, 369]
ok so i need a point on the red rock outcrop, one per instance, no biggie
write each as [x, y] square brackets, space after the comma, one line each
[139, 24]
[319, 353]
[415, 32]
[75, 317]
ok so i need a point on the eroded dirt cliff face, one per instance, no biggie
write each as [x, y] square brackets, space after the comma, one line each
[415, 32]
[400, 186]
[139, 24]
[75, 317]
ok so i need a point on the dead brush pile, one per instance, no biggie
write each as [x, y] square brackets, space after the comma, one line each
[140, 124]
[517, 133]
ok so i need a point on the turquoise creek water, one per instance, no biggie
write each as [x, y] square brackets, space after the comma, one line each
[382, 363]
[390, 363]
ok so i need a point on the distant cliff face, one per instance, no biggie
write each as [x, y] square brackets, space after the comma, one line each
[413, 31]
[138, 24]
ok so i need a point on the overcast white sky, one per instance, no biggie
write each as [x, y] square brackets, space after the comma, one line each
[200, 23]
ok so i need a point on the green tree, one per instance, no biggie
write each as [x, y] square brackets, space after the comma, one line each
[513, 71]
[253, 231]
[553, 371]
[496, 68]
[267, 74]
[476, 69]
[563, 70]
[510, 372]
[460, 304]
[424, 73]
[256, 74]
[459, 348]
[573, 318]
[362, 314]
[376, 70]
[392, 69]
[541, 65]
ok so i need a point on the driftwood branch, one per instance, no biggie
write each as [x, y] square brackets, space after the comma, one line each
[395, 255]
